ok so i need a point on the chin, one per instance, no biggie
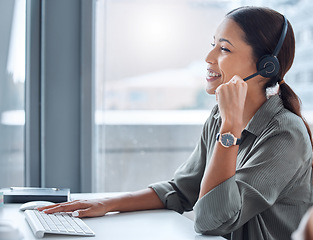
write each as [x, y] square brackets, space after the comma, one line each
[210, 91]
[212, 86]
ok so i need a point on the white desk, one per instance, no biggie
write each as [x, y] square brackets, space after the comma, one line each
[154, 224]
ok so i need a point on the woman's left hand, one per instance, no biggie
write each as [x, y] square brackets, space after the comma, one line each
[231, 98]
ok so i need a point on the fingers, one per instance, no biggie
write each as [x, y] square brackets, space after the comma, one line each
[231, 98]
[236, 80]
[62, 207]
[233, 88]
[79, 208]
[88, 212]
[47, 207]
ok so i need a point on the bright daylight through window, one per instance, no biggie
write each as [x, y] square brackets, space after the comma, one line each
[150, 82]
[12, 82]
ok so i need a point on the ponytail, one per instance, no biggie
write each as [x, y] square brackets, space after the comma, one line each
[293, 103]
[262, 33]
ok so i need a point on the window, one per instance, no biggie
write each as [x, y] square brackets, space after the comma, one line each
[149, 85]
[149, 68]
[149, 94]
[12, 71]
[150, 71]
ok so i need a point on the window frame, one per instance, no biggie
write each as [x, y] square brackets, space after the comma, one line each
[59, 100]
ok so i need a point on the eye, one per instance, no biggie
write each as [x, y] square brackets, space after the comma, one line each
[225, 49]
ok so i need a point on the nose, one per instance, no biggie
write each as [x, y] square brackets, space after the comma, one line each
[211, 58]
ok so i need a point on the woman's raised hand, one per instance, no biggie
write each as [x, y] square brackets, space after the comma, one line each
[231, 98]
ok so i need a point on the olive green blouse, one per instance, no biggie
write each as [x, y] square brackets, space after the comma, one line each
[272, 187]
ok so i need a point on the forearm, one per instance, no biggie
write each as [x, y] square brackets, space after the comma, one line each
[141, 200]
[231, 98]
[222, 165]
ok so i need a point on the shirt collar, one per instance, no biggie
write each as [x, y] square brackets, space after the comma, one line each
[262, 117]
[217, 115]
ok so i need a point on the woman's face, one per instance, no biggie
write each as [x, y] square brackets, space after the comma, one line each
[230, 56]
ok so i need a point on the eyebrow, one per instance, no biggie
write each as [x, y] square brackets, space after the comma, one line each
[224, 40]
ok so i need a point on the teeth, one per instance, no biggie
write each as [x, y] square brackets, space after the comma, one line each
[213, 74]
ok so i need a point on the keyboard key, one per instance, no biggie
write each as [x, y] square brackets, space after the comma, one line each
[58, 223]
[43, 222]
[66, 224]
[74, 224]
[82, 225]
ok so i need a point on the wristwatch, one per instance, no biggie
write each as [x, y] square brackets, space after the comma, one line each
[227, 139]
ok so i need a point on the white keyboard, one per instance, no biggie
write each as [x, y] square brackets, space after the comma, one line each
[58, 223]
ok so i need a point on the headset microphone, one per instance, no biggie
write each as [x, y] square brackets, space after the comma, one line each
[256, 74]
[268, 65]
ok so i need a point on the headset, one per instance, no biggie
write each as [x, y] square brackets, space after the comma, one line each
[268, 65]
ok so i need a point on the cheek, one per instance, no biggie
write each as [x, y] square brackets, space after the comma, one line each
[227, 69]
[239, 67]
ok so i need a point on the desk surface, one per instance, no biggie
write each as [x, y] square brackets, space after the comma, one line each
[152, 224]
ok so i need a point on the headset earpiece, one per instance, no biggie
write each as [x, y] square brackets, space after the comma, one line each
[268, 66]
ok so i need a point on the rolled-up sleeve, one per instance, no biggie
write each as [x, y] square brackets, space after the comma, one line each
[275, 161]
[168, 196]
[220, 209]
[181, 193]
[271, 187]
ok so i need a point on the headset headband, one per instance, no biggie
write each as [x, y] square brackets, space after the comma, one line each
[282, 38]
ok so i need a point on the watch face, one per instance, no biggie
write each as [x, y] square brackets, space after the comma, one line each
[227, 139]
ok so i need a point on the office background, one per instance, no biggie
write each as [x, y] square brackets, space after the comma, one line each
[108, 95]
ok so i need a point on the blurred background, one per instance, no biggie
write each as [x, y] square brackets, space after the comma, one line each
[150, 99]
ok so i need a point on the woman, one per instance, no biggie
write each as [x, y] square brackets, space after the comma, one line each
[260, 188]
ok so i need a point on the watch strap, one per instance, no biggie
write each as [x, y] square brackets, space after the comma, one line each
[238, 140]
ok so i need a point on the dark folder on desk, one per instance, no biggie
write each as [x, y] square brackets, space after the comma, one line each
[27, 194]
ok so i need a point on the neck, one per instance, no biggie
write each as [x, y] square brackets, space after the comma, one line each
[252, 104]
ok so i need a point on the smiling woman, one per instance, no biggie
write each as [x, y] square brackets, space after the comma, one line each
[224, 60]
[152, 57]
[249, 175]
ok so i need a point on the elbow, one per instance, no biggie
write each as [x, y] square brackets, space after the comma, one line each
[202, 226]
[207, 230]
[199, 228]
[212, 224]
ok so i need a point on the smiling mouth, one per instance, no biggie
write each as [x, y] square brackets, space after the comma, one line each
[212, 75]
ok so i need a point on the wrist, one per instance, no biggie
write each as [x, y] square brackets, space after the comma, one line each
[121, 203]
[232, 128]
[227, 139]
[112, 204]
